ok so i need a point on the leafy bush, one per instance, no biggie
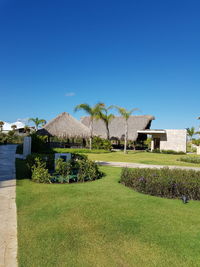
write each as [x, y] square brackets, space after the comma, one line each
[10, 138]
[19, 149]
[88, 171]
[190, 148]
[48, 159]
[100, 143]
[190, 159]
[39, 143]
[2, 138]
[63, 168]
[147, 142]
[39, 172]
[168, 152]
[165, 182]
[80, 170]
[196, 142]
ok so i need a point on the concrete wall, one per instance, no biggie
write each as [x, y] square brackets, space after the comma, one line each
[172, 140]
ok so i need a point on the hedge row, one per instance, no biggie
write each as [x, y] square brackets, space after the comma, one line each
[193, 159]
[165, 182]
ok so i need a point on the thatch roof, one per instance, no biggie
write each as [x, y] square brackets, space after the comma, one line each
[65, 126]
[116, 126]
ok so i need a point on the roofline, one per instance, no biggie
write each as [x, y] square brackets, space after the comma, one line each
[152, 131]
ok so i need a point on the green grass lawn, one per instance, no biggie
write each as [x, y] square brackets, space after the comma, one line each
[142, 157]
[103, 223]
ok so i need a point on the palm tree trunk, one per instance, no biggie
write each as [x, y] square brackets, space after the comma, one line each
[107, 132]
[126, 136]
[91, 133]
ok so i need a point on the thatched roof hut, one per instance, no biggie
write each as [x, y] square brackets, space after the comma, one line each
[116, 127]
[65, 126]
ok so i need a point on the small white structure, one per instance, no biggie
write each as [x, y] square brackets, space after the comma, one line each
[167, 139]
[27, 146]
[198, 150]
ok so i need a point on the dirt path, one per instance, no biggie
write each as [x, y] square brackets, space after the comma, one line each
[139, 165]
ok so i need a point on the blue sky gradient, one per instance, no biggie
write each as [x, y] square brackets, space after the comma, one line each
[57, 54]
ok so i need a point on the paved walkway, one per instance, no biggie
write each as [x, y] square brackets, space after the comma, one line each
[139, 165]
[8, 218]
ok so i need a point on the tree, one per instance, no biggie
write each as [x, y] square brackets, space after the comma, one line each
[1, 125]
[14, 127]
[126, 115]
[106, 118]
[37, 122]
[93, 113]
[191, 132]
[27, 129]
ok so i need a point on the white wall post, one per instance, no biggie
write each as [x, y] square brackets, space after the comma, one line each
[27, 146]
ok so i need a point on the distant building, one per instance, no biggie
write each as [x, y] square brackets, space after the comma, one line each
[172, 139]
[8, 126]
[116, 127]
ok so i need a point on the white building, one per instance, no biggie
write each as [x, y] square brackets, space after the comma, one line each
[167, 139]
[8, 126]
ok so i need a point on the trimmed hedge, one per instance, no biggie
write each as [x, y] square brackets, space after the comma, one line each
[79, 150]
[165, 182]
[173, 152]
[193, 159]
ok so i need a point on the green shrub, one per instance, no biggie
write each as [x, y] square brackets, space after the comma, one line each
[100, 143]
[63, 168]
[196, 142]
[88, 171]
[48, 159]
[10, 138]
[168, 152]
[39, 143]
[39, 172]
[190, 148]
[193, 159]
[165, 182]
[19, 149]
[79, 150]
[147, 142]
[80, 170]
[2, 138]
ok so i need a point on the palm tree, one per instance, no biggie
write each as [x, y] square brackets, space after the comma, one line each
[106, 118]
[14, 127]
[126, 115]
[92, 112]
[37, 122]
[191, 132]
[1, 125]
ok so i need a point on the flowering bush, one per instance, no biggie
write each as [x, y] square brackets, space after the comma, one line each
[163, 182]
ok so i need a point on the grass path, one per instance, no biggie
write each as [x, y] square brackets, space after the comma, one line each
[103, 223]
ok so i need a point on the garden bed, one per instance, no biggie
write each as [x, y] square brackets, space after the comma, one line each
[165, 182]
[42, 168]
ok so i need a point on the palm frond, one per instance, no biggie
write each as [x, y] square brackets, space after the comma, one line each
[84, 107]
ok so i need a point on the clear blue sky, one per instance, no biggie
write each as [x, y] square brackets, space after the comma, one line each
[57, 54]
